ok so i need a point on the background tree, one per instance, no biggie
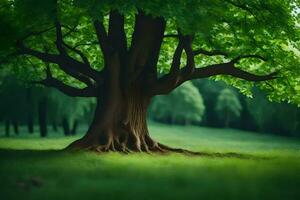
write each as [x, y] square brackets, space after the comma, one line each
[182, 40]
[68, 111]
[14, 114]
[210, 90]
[182, 106]
[273, 117]
[228, 106]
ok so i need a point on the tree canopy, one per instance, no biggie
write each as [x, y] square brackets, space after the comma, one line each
[124, 52]
[228, 106]
[252, 40]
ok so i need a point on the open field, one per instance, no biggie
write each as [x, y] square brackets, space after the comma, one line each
[34, 168]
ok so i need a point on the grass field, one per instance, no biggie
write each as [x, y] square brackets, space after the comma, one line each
[33, 168]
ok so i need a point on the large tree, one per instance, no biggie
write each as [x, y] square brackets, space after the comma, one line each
[124, 52]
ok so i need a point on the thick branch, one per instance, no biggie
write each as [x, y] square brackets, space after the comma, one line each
[102, 38]
[67, 64]
[190, 61]
[145, 45]
[116, 33]
[66, 89]
[171, 36]
[59, 39]
[228, 69]
[210, 53]
[163, 86]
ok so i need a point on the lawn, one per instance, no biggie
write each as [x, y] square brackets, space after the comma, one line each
[34, 168]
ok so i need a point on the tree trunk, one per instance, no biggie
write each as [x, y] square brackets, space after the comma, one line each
[119, 124]
[16, 127]
[7, 128]
[66, 126]
[42, 110]
[30, 124]
[74, 128]
[54, 126]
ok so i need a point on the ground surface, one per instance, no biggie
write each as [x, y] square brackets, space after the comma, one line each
[33, 168]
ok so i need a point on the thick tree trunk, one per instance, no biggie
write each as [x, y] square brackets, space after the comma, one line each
[119, 125]
[42, 111]
[120, 122]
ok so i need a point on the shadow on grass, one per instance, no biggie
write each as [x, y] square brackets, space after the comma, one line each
[8, 153]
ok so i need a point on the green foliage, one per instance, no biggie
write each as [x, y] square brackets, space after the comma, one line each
[228, 106]
[184, 105]
[269, 28]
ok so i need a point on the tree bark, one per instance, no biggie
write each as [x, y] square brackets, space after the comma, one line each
[119, 124]
[42, 111]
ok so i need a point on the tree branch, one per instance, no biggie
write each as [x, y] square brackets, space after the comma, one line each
[102, 38]
[171, 36]
[116, 33]
[171, 79]
[49, 81]
[163, 86]
[36, 33]
[190, 61]
[82, 56]
[210, 53]
[228, 69]
[59, 39]
[69, 65]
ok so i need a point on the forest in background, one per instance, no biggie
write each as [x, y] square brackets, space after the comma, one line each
[206, 103]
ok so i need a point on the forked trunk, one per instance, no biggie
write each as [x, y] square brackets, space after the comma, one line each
[120, 121]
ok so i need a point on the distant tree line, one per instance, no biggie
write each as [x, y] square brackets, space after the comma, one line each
[215, 104]
[46, 108]
[202, 102]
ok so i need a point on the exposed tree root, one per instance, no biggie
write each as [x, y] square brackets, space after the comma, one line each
[143, 145]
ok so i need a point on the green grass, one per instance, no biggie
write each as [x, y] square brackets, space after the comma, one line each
[32, 168]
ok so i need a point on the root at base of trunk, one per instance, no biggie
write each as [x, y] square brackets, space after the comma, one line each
[147, 146]
[114, 143]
